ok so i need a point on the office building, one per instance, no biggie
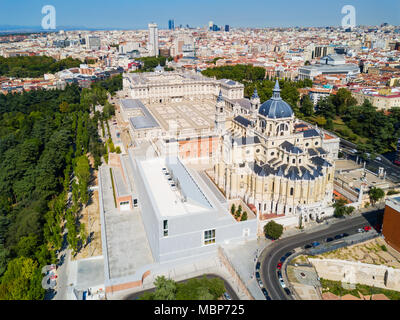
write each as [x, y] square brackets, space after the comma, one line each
[153, 40]
[171, 25]
[93, 42]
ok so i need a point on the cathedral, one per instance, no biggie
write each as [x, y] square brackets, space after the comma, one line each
[282, 173]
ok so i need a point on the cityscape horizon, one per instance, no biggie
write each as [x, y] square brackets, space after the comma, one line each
[99, 15]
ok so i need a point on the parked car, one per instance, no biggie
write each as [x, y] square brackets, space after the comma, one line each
[338, 237]
[345, 235]
[315, 244]
[260, 283]
[279, 273]
[288, 291]
[282, 283]
[258, 275]
[258, 265]
[307, 246]
[378, 158]
[227, 296]
[266, 295]
[279, 266]
[287, 255]
[367, 228]
[329, 240]
[283, 259]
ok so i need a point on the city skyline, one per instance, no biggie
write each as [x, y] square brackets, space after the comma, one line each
[135, 15]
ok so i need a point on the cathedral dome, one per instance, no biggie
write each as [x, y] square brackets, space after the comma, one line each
[276, 108]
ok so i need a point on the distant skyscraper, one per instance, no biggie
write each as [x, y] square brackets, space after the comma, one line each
[153, 39]
[215, 28]
[210, 25]
[226, 28]
[93, 42]
[171, 25]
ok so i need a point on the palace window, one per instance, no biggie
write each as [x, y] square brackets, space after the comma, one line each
[291, 191]
[209, 237]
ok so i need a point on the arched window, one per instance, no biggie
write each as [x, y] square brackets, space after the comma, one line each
[291, 191]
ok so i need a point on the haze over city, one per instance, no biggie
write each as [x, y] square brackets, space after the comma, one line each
[124, 14]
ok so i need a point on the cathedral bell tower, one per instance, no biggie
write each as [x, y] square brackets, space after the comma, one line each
[220, 118]
[255, 106]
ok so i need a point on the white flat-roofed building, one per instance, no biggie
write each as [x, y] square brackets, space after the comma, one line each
[182, 215]
[310, 72]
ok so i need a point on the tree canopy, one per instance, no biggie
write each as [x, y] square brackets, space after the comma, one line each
[34, 66]
[45, 140]
[273, 230]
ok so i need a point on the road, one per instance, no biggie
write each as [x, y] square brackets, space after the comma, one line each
[392, 171]
[228, 287]
[271, 256]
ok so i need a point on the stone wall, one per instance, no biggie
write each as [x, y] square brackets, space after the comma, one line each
[356, 272]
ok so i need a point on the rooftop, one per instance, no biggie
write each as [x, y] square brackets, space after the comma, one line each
[144, 120]
[185, 198]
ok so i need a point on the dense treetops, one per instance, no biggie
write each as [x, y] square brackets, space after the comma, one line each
[45, 140]
[34, 66]
[151, 62]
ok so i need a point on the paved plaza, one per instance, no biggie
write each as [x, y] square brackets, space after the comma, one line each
[188, 115]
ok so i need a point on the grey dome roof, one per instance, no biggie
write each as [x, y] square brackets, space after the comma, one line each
[276, 108]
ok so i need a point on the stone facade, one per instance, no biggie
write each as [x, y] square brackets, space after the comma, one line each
[357, 272]
[265, 162]
[168, 87]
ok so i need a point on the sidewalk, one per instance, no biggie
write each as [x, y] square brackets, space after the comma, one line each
[243, 259]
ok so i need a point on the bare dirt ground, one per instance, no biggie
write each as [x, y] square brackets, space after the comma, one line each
[371, 252]
[90, 216]
[91, 219]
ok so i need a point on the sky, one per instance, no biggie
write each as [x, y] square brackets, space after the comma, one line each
[136, 14]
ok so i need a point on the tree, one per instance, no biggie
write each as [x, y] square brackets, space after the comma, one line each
[340, 208]
[21, 281]
[64, 107]
[83, 234]
[165, 289]
[307, 107]
[244, 216]
[273, 230]
[233, 209]
[108, 110]
[82, 171]
[375, 195]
